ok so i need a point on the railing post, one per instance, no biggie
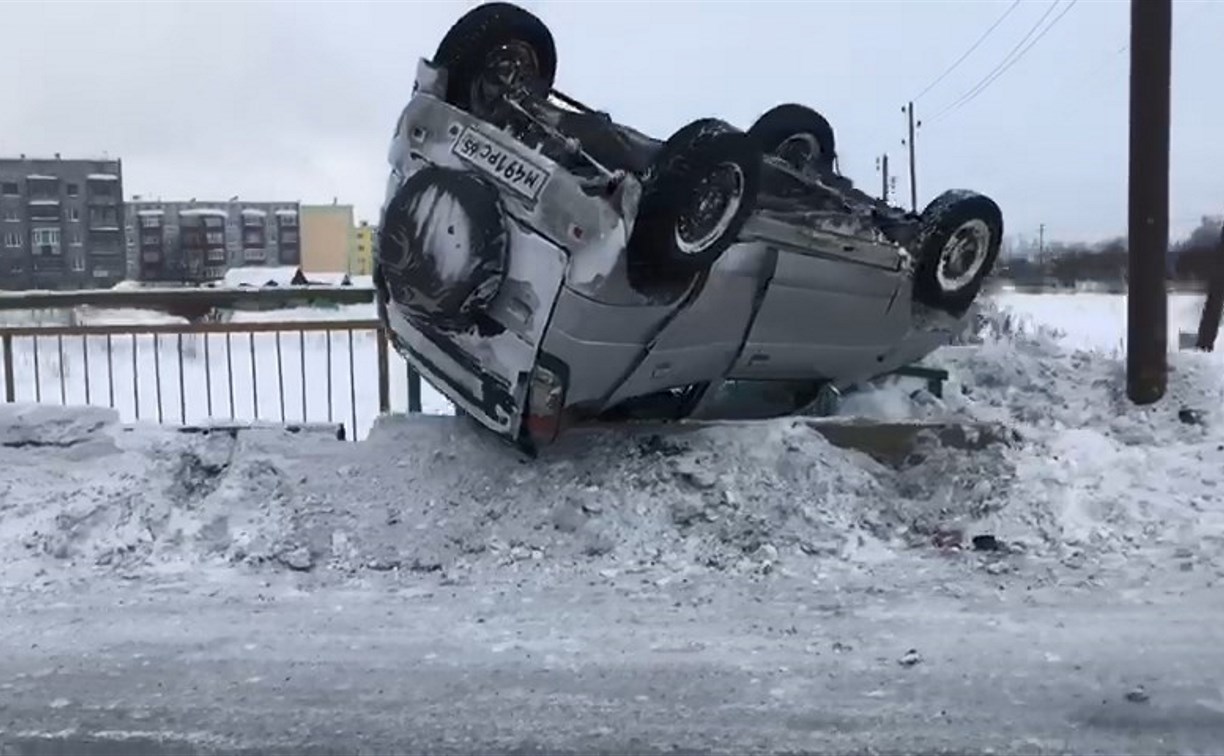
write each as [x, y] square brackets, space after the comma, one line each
[414, 390]
[10, 383]
[384, 374]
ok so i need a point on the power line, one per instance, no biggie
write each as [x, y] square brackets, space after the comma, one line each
[961, 59]
[1009, 60]
[1109, 58]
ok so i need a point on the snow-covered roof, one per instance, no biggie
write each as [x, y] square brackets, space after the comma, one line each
[151, 212]
[41, 177]
[213, 211]
[254, 211]
[259, 275]
[102, 177]
[287, 212]
[44, 202]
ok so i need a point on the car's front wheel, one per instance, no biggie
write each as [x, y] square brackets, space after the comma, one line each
[958, 245]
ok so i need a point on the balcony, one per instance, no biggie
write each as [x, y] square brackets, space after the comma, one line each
[106, 220]
[43, 187]
[45, 210]
[103, 188]
[254, 256]
[102, 200]
[45, 263]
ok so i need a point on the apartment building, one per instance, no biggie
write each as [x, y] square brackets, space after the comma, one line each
[61, 223]
[198, 241]
[366, 250]
[329, 239]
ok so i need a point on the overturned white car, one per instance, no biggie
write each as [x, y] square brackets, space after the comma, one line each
[542, 265]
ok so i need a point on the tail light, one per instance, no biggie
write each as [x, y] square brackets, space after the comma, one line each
[545, 402]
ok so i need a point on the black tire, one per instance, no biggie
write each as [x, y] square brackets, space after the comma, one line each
[444, 246]
[468, 48]
[779, 124]
[688, 169]
[964, 214]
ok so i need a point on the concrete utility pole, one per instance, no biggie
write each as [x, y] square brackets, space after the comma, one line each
[1148, 223]
[882, 163]
[913, 169]
[1213, 308]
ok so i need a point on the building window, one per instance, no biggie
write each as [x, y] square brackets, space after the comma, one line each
[75, 238]
[12, 240]
[150, 221]
[46, 241]
[47, 236]
[289, 237]
[10, 189]
[74, 213]
[215, 237]
[10, 215]
[78, 264]
[73, 190]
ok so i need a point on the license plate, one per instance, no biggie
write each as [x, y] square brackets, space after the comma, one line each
[512, 171]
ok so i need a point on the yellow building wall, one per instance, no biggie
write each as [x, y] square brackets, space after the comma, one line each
[363, 258]
[329, 240]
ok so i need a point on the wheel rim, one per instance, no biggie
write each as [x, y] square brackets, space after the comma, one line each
[963, 255]
[799, 150]
[715, 202]
[507, 67]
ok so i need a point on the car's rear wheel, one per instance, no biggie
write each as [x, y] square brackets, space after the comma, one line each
[958, 245]
[696, 198]
[798, 135]
[493, 50]
[444, 246]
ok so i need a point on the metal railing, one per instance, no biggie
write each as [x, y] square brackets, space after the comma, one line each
[338, 371]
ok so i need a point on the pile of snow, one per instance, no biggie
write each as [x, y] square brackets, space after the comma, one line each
[1095, 474]
[1091, 477]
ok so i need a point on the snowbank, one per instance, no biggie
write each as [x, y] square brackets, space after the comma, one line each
[1092, 479]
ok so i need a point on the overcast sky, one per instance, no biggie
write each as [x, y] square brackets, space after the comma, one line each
[296, 100]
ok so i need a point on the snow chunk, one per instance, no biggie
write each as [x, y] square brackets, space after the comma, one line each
[151, 212]
[50, 425]
[42, 202]
[208, 211]
[41, 177]
[102, 177]
[254, 211]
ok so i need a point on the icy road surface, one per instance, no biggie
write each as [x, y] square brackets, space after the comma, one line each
[923, 655]
[750, 589]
